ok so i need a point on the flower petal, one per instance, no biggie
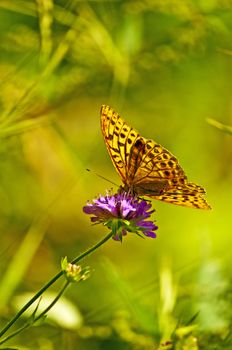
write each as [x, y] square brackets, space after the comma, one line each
[147, 224]
[149, 234]
[129, 212]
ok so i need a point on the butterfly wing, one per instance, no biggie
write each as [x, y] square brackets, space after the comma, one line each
[120, 139]
[147, 167]
[126, 148]
[158, 163]
[141, 163]
[188, 195]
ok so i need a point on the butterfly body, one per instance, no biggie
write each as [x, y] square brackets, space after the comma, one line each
[145, 167]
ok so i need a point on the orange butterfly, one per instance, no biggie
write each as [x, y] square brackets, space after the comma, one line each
[145, 167]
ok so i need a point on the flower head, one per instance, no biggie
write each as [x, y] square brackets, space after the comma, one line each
[122, 213]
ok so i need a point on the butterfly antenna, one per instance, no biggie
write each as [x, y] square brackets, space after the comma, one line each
[102, 177]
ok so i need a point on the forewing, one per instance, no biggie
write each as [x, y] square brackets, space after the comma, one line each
[156, 164]
[120, 139]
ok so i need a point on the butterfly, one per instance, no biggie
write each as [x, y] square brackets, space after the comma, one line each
[145, 167]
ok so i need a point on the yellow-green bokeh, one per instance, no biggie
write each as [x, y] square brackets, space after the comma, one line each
[166, 68]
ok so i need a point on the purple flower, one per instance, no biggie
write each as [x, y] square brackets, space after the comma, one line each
[122, 213]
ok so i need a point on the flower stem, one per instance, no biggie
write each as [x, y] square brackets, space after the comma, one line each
[51, 282]
[43, 313]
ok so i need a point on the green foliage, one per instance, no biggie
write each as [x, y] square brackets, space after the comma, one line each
[166, 67]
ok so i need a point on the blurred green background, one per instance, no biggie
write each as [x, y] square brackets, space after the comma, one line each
[166, 67]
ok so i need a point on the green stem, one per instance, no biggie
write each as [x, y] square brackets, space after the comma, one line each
[53, 302]
[51, 282]
[27, 325]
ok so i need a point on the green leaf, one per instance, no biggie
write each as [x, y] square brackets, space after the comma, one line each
[64, 263]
